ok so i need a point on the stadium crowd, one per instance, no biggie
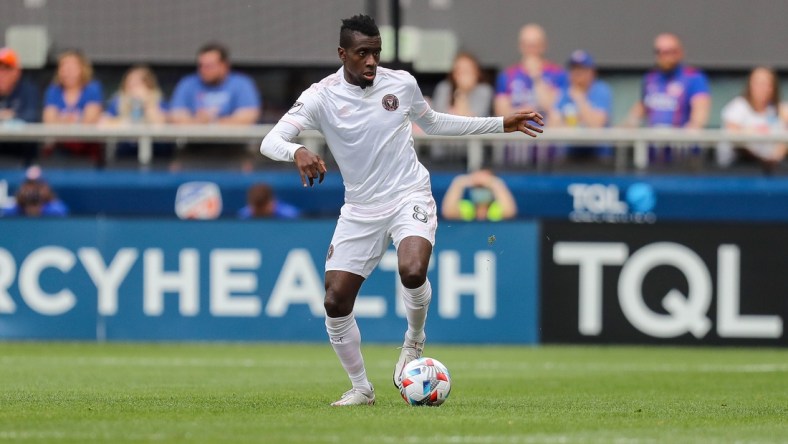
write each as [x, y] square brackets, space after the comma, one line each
[673, 94]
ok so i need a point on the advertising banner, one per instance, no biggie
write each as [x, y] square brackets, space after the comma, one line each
[598, 198]
[256, 280]
[648, 199]
[664, 283]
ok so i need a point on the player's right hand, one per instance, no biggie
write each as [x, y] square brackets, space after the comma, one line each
[310, 166]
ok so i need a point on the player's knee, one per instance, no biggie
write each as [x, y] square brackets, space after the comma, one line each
[335, 305]
[412, 277]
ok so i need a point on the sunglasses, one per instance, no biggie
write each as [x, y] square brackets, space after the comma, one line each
[665, 51]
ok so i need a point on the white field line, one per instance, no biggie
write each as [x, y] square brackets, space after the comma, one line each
[481, 439]
[452, 439]
[22, 435]
[537, 438]
[512, 439]
[148, 361]
[632, 367]
[52, 435]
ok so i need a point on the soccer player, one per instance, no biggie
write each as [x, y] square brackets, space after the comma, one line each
[365, 113]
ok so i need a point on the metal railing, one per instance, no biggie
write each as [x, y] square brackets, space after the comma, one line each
[636, 140]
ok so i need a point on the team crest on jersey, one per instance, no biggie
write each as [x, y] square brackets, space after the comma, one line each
[295, 108]
[390, 102]
[330, 252]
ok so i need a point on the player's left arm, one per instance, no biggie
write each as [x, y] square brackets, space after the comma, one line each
[432, 122]
[527, 122]
[442, 124]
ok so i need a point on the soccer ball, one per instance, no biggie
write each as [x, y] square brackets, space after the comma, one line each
[425, 381]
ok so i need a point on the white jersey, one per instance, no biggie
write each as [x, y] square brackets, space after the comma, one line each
[739, 112]
[369, 134]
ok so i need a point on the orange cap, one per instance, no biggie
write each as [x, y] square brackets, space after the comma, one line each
[8, 57]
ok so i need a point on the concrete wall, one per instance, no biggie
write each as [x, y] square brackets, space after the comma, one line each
[717, 33]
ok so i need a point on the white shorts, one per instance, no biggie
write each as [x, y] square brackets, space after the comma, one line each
[359, 243]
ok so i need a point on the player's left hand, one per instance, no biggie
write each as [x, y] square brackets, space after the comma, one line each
[523, 121]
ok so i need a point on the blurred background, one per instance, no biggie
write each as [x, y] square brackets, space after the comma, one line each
[288, 45]
[665, 126]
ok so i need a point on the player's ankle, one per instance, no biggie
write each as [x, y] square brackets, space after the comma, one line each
[412, 336]
[365, 387]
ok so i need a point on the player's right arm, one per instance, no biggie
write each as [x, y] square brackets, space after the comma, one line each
[278, 143]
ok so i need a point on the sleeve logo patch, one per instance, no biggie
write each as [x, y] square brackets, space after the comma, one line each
[295, 108]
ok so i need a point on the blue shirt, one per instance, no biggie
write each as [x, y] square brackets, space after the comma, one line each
[518, 85]
[282, 210]
[24, 101]
[113, 110]
[236, 92]
[667, 96]
[599, 96]
[55, 208]
[92, 93]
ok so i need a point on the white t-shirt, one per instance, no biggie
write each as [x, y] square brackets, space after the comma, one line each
[739, 112]
[369, 133]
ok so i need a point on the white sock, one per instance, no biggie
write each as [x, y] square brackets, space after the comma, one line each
[345, 337]
[417, 303]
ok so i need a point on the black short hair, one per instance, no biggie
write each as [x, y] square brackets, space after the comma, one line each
[224, 53]
[358, 23]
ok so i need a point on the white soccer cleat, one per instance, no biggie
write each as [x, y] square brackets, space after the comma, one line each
[411, 350]
[356, 396]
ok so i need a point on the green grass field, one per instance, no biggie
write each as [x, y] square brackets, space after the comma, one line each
[233, 393]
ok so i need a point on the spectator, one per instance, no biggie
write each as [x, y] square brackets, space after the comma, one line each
[463, 93]
[533, 83]
[35, 198]
[75, 98]
[488, 198]
[586, 103]
[757, 111]
[262, 203]
[215, 94]
[19, 102]
[673, 95]
[139, 100]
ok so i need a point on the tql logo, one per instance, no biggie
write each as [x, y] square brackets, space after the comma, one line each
[683, 313]
[603, 203]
